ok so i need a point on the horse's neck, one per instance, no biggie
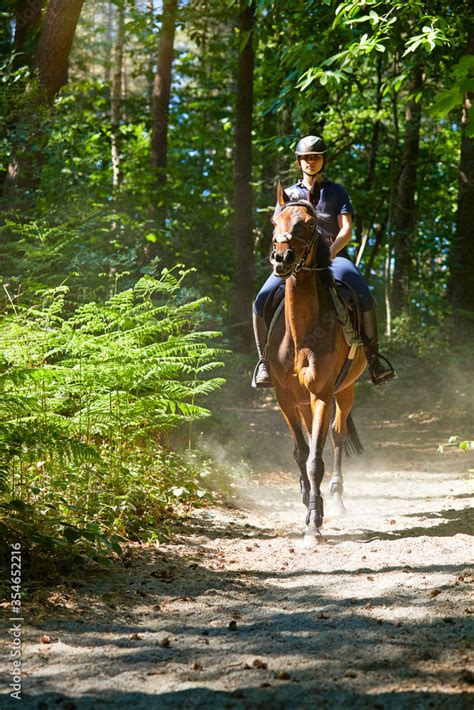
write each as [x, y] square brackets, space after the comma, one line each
[306, 303]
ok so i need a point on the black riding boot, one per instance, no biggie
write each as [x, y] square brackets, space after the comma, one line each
[380, 369]
[261, 375]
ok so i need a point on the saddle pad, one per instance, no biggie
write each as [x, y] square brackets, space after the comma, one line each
[344, 302]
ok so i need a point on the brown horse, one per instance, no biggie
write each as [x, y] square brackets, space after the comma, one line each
[307, 353]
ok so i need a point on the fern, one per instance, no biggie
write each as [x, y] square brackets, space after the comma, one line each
[86, 396]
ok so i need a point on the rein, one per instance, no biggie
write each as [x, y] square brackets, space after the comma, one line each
[309, 243]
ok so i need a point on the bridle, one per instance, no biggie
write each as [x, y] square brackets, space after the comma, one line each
[313, 241]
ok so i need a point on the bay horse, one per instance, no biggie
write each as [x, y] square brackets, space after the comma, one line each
[307, 353]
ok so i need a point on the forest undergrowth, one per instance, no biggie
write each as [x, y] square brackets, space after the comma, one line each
[90, 395]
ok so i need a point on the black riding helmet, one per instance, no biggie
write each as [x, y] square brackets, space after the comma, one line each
[310, 144]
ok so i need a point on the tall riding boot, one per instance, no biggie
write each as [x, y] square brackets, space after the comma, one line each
[261, 375]
[380, 369]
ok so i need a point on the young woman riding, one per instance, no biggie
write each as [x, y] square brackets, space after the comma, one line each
[334, 211]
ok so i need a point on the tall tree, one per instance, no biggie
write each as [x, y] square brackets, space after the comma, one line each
[27, 26]
[55, 42]
[116, 95]
[51, 65]
[243, 218]
[405, 205]
[462, 268]
[162, 91]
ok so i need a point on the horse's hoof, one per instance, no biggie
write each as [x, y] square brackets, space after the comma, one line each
[312, 537]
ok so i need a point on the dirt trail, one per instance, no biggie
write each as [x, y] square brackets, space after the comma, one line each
[238, 613]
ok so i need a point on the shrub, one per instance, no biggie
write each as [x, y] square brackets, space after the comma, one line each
[87, 396]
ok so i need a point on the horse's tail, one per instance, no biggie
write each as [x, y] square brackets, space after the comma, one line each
[352, 443]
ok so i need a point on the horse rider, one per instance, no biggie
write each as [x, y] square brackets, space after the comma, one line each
[334, 211]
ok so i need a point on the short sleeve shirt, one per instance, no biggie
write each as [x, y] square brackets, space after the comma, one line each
[334, 200]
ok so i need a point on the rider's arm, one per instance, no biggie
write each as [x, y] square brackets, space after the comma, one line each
[344, 235]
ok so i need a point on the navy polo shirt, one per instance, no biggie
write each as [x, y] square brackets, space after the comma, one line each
[334, 200]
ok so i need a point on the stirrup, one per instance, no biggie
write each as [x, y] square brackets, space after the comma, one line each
[261, 385]
[384, 377]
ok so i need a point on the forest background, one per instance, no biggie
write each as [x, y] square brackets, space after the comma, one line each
[140, 144]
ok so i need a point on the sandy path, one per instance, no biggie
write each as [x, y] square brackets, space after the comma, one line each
[239, 614]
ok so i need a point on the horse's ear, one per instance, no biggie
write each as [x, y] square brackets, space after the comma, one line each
[282, 197]
[314, 194]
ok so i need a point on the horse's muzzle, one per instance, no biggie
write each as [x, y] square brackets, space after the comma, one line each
[286, 257]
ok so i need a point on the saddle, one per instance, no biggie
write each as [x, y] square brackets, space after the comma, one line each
[343, 299]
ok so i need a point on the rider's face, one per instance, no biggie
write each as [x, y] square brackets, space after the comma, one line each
[311, 163]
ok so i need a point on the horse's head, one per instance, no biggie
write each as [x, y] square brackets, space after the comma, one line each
[295, 235]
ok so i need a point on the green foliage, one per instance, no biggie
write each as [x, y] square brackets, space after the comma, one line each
[463, 445]
[453, 441]
[87, 395]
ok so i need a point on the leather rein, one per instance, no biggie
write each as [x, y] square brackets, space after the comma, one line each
[309, 243]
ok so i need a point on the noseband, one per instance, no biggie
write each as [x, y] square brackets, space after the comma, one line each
[309, 243]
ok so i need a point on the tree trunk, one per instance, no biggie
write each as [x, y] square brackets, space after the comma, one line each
[243, 222]
[27, 26]
[462, 254]
[379, 230]
[116, 95]
[390, 214]
[405, 206]
[267, 190]
[374, 146]
[51, 63]
[150, 73]
[54, 46]
[108, 43]
[161, 91]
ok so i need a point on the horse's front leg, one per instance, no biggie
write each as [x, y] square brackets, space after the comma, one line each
[321, 408]
[344, 402]
[300, 451]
